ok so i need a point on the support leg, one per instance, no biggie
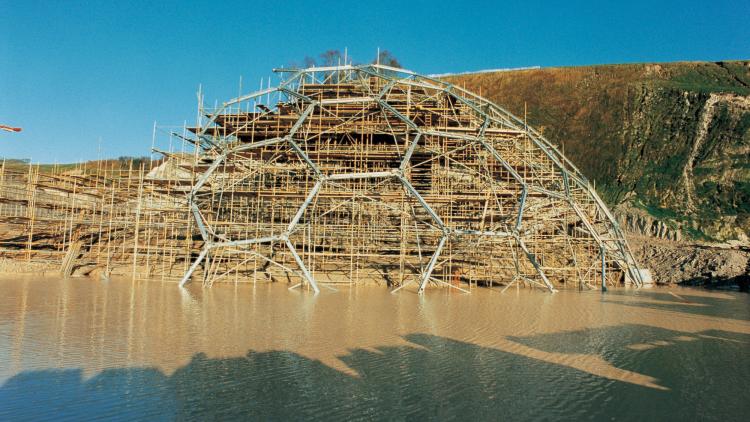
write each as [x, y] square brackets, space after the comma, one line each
[308, 277]
[193, 267]
[431, 265]
[604, 271]
[536, 265]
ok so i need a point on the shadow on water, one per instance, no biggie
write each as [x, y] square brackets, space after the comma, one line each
[431, 378]
[736, 307]
[706, 372]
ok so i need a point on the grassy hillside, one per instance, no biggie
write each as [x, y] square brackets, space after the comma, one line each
[671, 139]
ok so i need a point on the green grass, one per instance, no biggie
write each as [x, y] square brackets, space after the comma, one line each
[696, 234]
[708, 78]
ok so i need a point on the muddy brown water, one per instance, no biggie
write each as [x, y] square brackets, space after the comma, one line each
[82, 349]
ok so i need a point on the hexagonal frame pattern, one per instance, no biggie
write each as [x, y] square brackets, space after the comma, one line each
[373, 105]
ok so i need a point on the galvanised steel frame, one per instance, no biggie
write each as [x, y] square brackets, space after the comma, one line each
[453, 187]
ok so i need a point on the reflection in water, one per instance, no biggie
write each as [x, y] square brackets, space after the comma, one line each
[78, 348]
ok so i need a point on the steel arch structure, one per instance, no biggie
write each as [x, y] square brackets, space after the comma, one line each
[368, 172]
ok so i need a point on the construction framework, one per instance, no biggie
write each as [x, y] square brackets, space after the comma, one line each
[342, 174]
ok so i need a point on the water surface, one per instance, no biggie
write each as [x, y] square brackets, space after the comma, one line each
[80, 348]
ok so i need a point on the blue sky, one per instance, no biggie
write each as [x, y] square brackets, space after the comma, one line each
[73, 73]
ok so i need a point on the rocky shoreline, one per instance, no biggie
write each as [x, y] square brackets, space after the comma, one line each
[711, 265]
[686, 263]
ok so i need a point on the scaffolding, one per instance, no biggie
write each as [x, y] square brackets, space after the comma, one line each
[337, 175]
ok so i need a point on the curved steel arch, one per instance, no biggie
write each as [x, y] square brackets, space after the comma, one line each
[399, 94]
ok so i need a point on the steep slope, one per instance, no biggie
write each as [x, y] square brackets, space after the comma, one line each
[668, 145]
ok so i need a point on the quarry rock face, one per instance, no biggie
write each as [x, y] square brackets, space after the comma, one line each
[638, 221]
[687, 160]
[668, 144]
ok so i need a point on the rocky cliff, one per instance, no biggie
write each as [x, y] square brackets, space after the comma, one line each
[668, 145]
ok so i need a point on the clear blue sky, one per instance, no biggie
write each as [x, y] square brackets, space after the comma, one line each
[71, 72]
